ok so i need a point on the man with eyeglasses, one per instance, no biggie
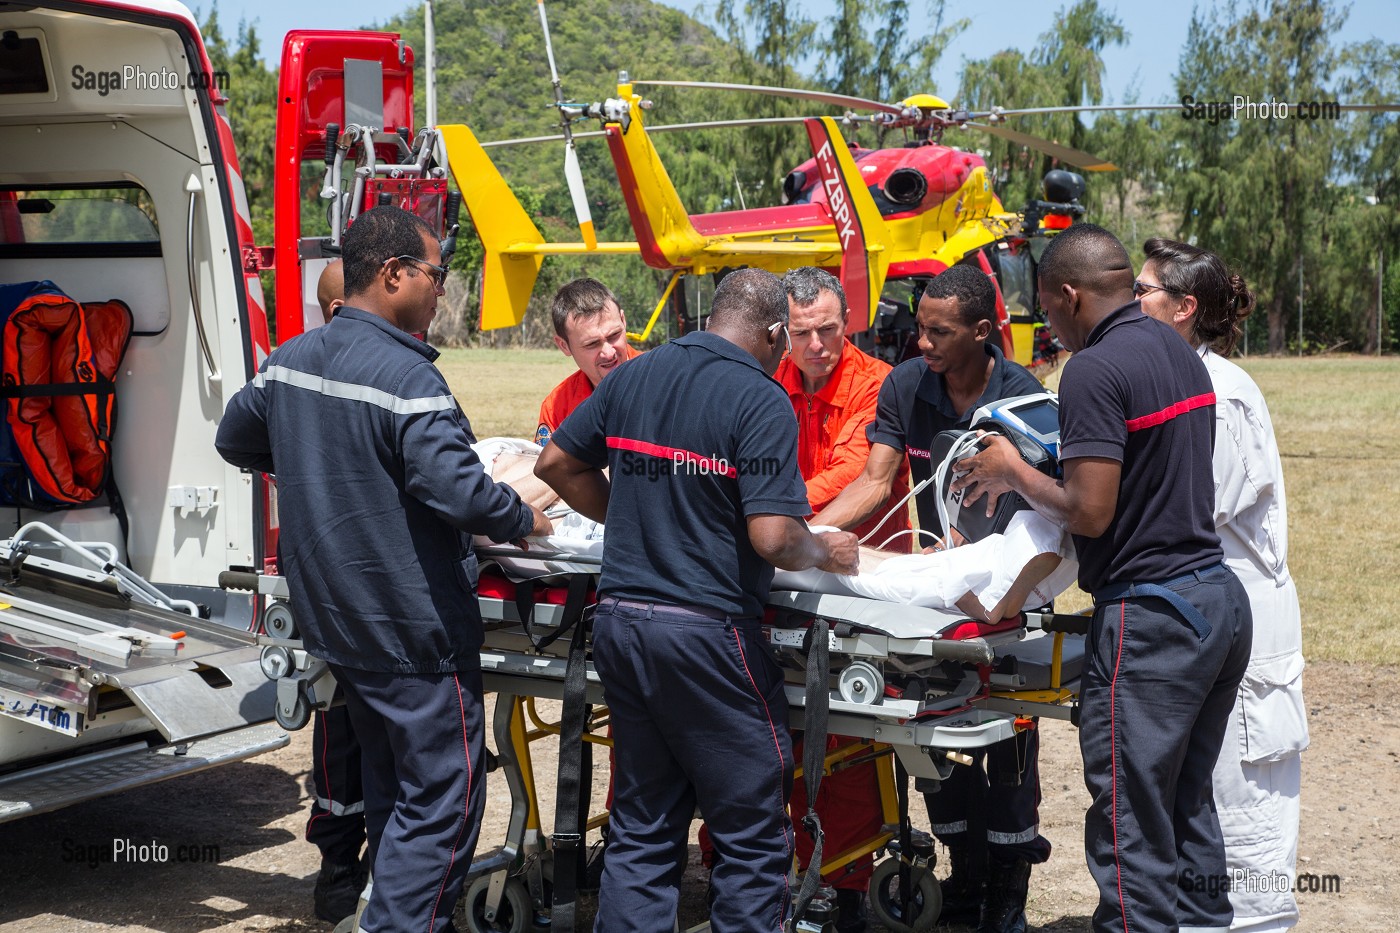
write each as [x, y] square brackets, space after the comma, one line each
[590, 329]
[378, 491]
[1170, 636]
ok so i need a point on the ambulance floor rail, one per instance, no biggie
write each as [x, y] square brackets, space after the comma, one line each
[127, 580]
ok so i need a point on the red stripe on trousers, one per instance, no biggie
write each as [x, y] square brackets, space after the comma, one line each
[1113, 753]
[466, 805]
[762, 701]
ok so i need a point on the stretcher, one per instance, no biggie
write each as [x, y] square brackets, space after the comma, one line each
[915, 690]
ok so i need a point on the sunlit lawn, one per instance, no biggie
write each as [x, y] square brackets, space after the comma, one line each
[1338, 426]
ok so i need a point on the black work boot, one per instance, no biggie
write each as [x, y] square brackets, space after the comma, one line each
[850, 905]
[963, 889]
[338, 887]
[1008, 883]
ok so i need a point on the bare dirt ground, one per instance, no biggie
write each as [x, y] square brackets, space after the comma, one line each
[261, 875]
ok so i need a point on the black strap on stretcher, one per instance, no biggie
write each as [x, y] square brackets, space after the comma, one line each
[573, 609]
[814, 730]
[571, 802]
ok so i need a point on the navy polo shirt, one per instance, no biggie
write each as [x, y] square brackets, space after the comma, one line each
[914, 406]
[697, 438]
[1137, 393]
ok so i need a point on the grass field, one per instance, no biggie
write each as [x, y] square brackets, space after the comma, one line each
[1337, 420]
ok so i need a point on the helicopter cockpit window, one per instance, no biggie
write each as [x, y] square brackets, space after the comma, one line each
[1016, 274]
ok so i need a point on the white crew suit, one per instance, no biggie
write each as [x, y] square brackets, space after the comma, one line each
[1257, 776]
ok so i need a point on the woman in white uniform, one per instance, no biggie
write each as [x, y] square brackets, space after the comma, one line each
[1256, 779]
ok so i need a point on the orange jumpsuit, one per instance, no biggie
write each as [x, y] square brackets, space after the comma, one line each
[832, 450]
[566, 396]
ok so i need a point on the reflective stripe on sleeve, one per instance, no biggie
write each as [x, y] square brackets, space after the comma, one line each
[355, 393]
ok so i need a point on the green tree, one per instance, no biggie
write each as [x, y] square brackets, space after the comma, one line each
[1256, 189]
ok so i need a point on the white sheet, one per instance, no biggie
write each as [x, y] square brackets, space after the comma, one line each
[937, 581]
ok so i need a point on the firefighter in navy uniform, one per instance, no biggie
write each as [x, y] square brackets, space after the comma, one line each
[337, 822]
[378, 489]
[1170, 637]
[705, 498]
[959, 370]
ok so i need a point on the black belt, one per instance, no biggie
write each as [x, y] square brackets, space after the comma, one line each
[608, 601]
[1162, 589]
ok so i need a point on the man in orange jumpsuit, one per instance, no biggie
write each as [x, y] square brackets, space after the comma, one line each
[590, 329]
[833, 387]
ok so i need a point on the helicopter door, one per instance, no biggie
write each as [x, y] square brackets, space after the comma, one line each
[343, 97]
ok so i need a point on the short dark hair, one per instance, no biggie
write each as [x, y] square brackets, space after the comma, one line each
[806, 283]
[973, 288]
[1085, 256]
[753, 299]
[376, 236]
[581, 298]
[1222, 298]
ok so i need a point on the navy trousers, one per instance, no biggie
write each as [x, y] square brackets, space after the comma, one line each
[1006, 797]
[1155, 700]
[425, 791]
[337, 823]
[699, 719]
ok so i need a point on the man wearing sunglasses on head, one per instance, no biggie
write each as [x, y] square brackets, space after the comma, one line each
[378, 489]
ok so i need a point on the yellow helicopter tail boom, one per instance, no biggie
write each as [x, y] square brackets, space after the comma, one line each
[514, 249]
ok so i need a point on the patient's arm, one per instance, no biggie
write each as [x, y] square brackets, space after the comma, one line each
[870, 558]
[518, 472]
[1037, 569]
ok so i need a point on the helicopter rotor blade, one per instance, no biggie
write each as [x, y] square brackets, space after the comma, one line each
[654, 128]
[997, 114]
[1075, 157]
[821, 97]
[573, 175]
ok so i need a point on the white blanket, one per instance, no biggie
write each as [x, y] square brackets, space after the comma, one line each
[937, 581]
[986, 568]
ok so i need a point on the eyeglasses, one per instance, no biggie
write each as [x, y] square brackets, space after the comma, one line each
[438, 273]
[1141, 288]
[772, 328]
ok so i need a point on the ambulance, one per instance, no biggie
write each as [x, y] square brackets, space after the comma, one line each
[131, 311]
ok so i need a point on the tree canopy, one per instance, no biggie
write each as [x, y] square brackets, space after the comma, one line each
[1285, 200]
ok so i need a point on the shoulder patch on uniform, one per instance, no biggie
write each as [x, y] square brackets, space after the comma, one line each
[542, 435]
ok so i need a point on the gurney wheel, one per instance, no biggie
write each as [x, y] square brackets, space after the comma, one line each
[886, 902]
[277, 620]
[300, 713]
[861, 682]
[513, 916]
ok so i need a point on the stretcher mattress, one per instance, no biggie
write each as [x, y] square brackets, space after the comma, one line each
[929, 583]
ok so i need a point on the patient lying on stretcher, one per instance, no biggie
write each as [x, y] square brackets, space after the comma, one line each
[988, 580]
